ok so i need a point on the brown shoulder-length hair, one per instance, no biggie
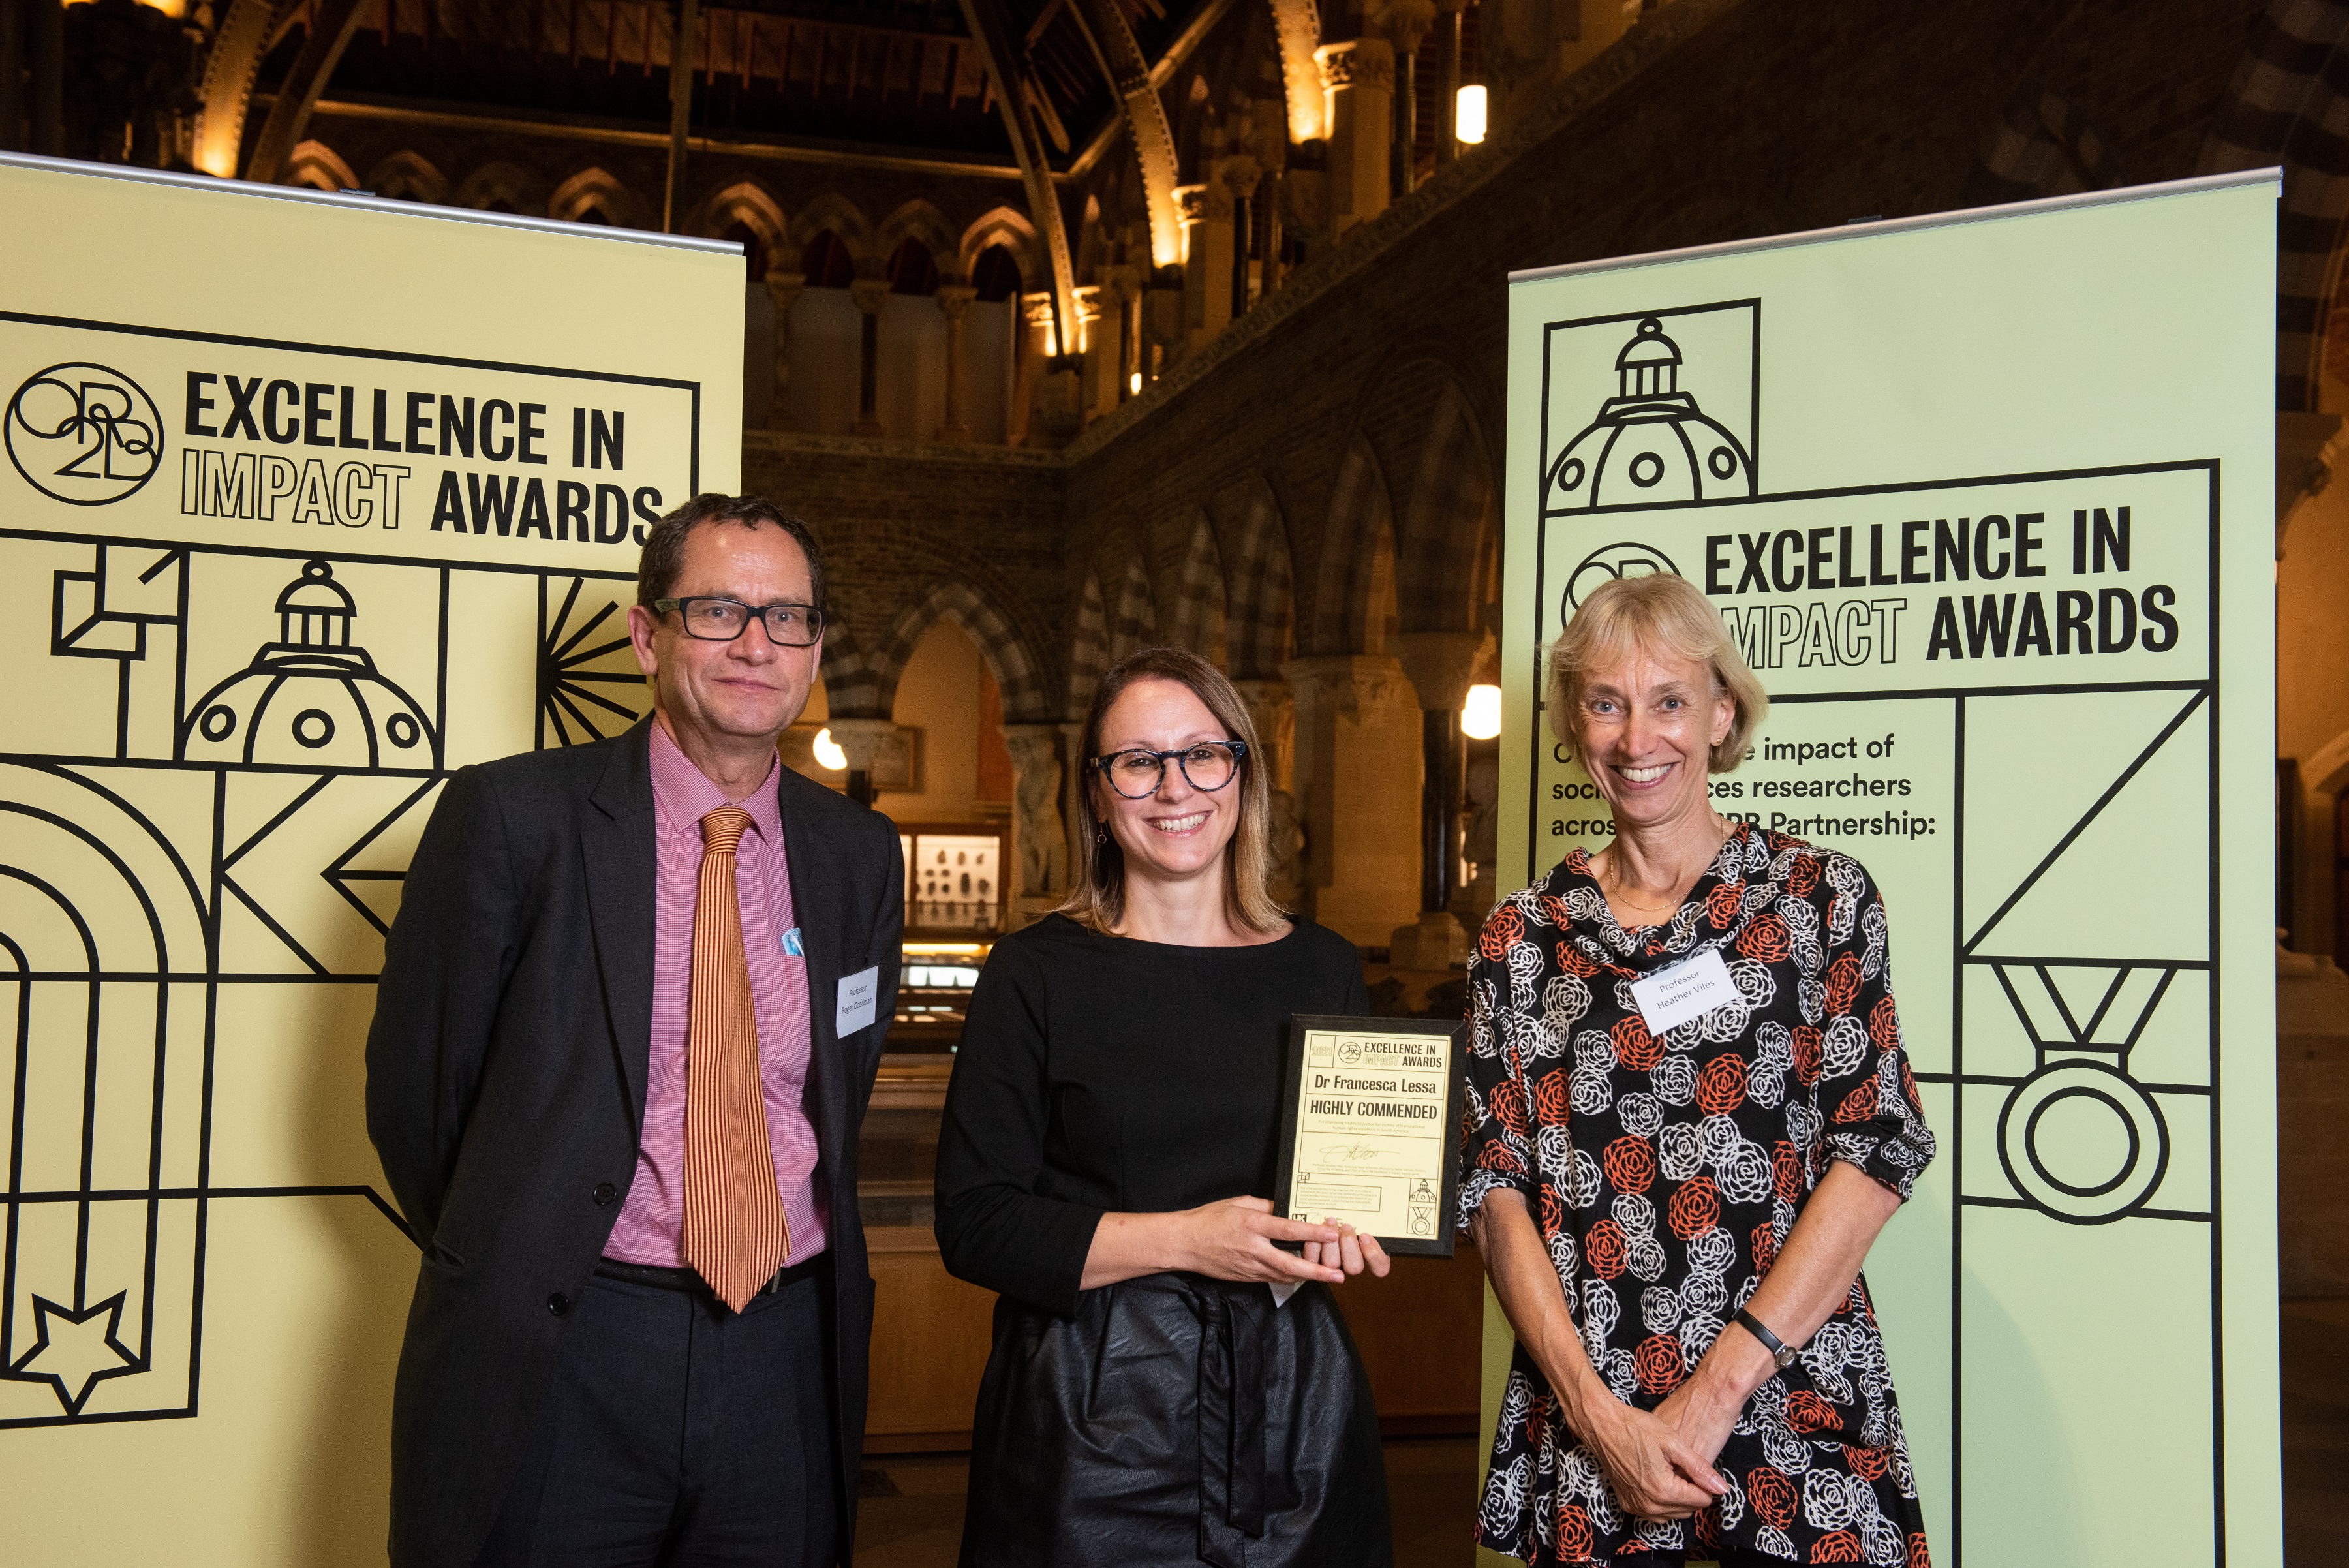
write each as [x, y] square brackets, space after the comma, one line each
[1097, 899]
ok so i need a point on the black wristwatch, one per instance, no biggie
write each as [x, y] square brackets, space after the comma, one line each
[1784, 1354]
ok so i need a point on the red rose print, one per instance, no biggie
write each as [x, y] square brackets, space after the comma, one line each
[1503, 928]
[1707, 1526]
[1553, 1102]
[1574, 1541]
[1765, 1247]
[1918, 1557]
[1803, 877]
[1499, 1157]
[1695, 1209]
[1721, 1086]
[1764, 940]
[1721, 905]
[1806, 1412]
[1574, 962]
[1604, 1248]
[1772, 1494]
[1660, 1364]
[1843, 984]
[1552, 1210]
[1634, 1046]
[1868, 1464]
[1808, 1045]
[1554, 907]
[1786, 1171]
[1507, 1100]
[1859, 1106]
[1837, 1546]
[1630, 1164]
[1884, 1023]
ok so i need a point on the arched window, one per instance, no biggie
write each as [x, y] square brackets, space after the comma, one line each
[825, 262]
[593, 212]
[913, 270]
[996, 275]
[754, 248]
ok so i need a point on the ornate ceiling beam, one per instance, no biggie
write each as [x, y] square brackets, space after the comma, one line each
[987, 22]
[1162, 70]
[1144, 114]
[1298, 26]
[331, 22]
[229, 68]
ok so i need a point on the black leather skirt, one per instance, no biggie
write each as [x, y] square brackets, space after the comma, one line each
[1176, 1420]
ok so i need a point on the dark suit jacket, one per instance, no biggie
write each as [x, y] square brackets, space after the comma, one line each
[506, 1084]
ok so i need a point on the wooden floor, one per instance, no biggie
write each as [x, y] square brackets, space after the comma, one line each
[2316, 1432]
[912, 1512]
[911, 1516]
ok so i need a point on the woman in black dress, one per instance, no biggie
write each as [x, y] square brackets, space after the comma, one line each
[1156, 1393]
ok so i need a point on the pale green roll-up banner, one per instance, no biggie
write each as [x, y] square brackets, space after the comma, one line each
[307, 501]
[1987, 500]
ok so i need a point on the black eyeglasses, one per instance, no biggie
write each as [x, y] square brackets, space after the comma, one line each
[1206, 765]
[723, 621]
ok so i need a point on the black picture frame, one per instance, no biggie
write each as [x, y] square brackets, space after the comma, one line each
[1452, 1032]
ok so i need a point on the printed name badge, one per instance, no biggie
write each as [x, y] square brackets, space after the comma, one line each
[792, 946]
[859, 993]
[1670, 997]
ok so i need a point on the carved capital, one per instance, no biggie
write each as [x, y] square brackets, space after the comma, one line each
[954, 299]
[1036, 309]
[1357, 63]
[1239, 176]
[1358, 687]
[1203, 203]
[1406, 22]
[784, 288]
[869, 293]
[1089, 302]
[1439, 665]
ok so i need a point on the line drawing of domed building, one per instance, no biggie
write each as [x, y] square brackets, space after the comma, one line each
[1649, 443]
[313, 698]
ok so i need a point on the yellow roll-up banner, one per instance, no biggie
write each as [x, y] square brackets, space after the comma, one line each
[309, 500]
[1986, 499]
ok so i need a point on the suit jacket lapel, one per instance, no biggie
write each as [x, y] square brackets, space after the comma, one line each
[816, 904]
[616, 840]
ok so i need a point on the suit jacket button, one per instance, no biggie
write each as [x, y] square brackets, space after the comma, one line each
[605, 1193]
[558, 1303]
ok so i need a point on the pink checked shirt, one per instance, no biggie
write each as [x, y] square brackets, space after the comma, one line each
[651, 1221]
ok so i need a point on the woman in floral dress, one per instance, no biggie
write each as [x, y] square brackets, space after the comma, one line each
[1674, 1218]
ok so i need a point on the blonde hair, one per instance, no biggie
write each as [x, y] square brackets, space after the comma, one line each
[1659, 611]
[1097, 897]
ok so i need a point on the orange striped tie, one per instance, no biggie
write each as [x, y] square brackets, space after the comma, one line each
[736, 1235]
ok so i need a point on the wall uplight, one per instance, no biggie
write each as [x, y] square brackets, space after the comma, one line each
[833, 760]
[1480, 716]
[1135, 383]
[1468, 119]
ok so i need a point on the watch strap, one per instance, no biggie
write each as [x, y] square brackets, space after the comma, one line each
[1780, 1352]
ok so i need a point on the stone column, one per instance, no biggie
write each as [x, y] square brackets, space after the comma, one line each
[1357, 84]
[2308, 446]
[1040, 835]
[1406, 25]
[953, 301]
[860, 741]
[869, 294]
[1097, 345]
[1356, 776]
[1122, 291]
[1448, 118]
[1072, 741]
[1206, 212]
[1036, 350]
[783, 289]
[1273, 711]
[1240, 177]
[1440, 665]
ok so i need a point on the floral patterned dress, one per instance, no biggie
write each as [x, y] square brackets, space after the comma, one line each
[1665, 1174]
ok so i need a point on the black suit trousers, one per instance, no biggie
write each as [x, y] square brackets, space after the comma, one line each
[679, 1434]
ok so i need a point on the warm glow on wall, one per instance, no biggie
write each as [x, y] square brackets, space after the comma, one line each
[1468, 123]
[833, 760]
[1480, 716]
[1134, 383]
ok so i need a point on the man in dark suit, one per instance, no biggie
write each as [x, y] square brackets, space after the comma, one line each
[628, 1023]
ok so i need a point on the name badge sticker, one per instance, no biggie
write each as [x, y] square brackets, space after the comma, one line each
[792, 946]
[1670, 997]
[860, 994]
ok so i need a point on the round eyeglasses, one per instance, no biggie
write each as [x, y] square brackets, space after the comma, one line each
[723, 621]
[1206, 765]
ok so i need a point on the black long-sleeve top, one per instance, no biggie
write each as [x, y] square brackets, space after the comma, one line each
[1102, 1074]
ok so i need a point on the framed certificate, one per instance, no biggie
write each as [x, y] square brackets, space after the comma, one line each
[1369, 1129]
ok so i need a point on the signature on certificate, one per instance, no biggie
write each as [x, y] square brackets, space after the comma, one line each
[1349, 1153]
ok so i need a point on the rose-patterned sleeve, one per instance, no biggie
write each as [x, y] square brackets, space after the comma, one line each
[1496, 1146]
[1866, 1091]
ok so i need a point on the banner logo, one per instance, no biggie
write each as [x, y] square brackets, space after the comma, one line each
[83, 434]
[1609, 562]
[1648, 439]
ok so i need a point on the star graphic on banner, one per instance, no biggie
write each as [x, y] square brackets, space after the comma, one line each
[76, 1350]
